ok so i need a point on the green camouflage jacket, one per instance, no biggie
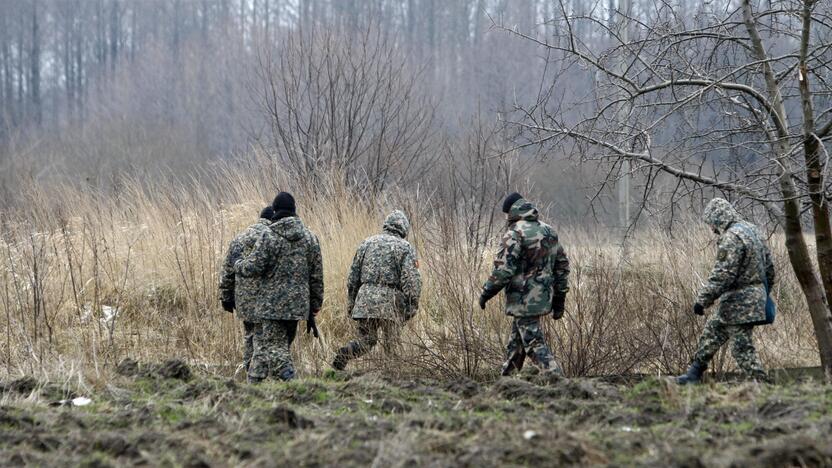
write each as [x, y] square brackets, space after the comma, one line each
[384, 280]
[242, 291]
[287, 259]
[531, 264]
[742, 258]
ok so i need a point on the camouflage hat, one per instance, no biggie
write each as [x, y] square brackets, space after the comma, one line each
[719, 214]
[397, 223]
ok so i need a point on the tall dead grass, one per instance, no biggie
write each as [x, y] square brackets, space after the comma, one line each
[87, 280]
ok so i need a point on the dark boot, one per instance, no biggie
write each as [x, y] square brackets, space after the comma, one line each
[287, 374]
[341, 359]
[255, 380]
[693, 376]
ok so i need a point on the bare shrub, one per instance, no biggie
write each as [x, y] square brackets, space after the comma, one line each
[346, 100]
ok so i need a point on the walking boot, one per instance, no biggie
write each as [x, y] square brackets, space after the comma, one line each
[693, 375]
[340, 361]
[287, 374]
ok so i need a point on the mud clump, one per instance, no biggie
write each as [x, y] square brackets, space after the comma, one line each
[115, 445]
[288, 417]
[128, 368]
[514, 389]
[581, 389]
[174, 369]
[463, 387]
[389, 405]
[786, 451]
[23, 385]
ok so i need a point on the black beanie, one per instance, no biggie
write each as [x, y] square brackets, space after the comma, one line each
[510, 200]
[267, 213]
[283, 205]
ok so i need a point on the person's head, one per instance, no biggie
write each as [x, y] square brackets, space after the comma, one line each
[267, 213]
[509, 201]
[719, 214]
[397, 224]
[283, 205]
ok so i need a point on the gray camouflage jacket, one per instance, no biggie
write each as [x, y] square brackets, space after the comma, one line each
[741, 261]
[384, 280]
[243, 291]
[287, 260]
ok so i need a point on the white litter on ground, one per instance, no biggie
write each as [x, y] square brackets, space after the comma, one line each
[529, 435]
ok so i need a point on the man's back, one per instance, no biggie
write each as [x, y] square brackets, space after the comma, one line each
[288, 258]
[384, 280]
[531, 264]
[233, 288]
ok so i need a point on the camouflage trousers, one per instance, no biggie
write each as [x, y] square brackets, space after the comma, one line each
[527, 340]
[271, 357]
[248, 343]
[368, 337]
[717, 333]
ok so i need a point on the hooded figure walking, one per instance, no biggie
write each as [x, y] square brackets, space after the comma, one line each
[741, 280]
[532, 267]
[384, 286]
[287, 261]
[238, 293]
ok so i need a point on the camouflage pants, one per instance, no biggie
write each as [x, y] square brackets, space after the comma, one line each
[368, 333]
[271, 356]
[248, 343]
[527, 339]
[717, 333]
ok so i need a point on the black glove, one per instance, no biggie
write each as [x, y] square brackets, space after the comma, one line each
[699, 309]
[311, 326]
[483, 300]
[228, 306]
[558, 307]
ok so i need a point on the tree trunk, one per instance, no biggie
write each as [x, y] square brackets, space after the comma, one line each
[34, 63]
[814, 168]
[795, 241]
[801, 263]
[115, 33]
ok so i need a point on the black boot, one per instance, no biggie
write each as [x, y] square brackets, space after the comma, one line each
[693, 376]
[341, 359]
[287, 374]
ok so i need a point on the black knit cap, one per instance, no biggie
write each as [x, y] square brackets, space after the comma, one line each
[283, 205]
[510, 200]
[267, 212]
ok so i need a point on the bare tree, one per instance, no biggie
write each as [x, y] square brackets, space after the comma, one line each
[722, 100]
[345, 101]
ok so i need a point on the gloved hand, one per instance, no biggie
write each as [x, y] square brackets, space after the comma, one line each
[699, 309]
[558, 307]
[311, 325]
[228, 306]
[483, 301]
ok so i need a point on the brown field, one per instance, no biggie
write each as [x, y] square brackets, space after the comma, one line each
[151, 254]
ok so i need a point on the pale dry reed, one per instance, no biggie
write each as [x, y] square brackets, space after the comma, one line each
[88, 280]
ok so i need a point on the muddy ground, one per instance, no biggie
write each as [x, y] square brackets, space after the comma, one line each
[170, 415]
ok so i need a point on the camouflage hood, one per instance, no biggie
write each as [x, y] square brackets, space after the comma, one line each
[522, 210]
[290, 228]
[397, 224]
[720, 214]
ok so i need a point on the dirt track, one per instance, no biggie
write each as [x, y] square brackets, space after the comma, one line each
[169, 415]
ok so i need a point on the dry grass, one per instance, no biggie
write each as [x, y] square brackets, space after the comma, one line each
[152, 253]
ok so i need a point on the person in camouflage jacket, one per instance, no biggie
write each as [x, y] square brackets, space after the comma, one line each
[383, 287]
[533, 268]
[743, 265]
[286, 260]
[240, 293]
